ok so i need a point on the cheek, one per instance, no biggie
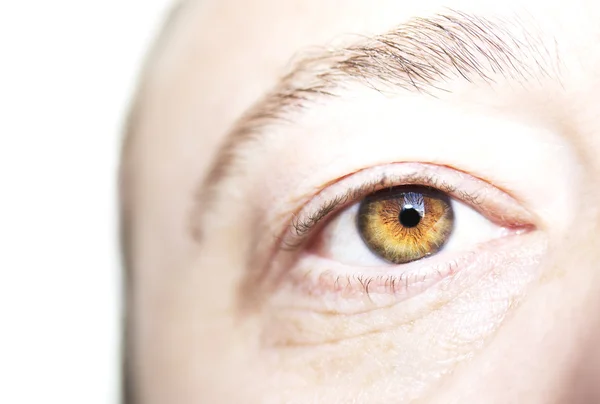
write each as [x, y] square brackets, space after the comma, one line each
[547, 350]
[396, 353]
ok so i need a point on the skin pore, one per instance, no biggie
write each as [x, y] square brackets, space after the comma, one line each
[259, 128]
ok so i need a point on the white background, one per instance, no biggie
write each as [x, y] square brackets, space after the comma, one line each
[67, 70]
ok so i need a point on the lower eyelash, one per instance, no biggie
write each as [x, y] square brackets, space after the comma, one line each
[388, 284]
[329, 286]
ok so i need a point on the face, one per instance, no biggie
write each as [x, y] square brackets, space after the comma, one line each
[368, 201]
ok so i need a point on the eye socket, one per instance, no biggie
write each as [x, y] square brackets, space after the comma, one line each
[405, 237]
[404, 224]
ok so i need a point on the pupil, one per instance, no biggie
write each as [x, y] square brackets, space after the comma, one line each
[409, 217]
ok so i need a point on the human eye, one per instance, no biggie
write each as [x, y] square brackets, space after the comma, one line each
[403, 237]
[410, 216]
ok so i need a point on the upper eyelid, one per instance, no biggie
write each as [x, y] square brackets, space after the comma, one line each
[303, 226]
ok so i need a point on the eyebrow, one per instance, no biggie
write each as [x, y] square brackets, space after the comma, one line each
[424, 55]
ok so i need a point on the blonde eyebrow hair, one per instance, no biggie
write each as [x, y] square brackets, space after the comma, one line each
[422, 56]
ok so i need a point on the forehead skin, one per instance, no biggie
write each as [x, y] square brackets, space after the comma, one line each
[217, 60]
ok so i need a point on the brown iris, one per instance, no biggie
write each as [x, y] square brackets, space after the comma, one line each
[405, 223]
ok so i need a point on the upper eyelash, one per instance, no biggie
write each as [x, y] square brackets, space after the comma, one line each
[301, 227]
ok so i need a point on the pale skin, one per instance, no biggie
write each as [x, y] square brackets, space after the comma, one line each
[221, 312]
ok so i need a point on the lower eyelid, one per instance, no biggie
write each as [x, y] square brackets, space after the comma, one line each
[350, 290]
[505, 265]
